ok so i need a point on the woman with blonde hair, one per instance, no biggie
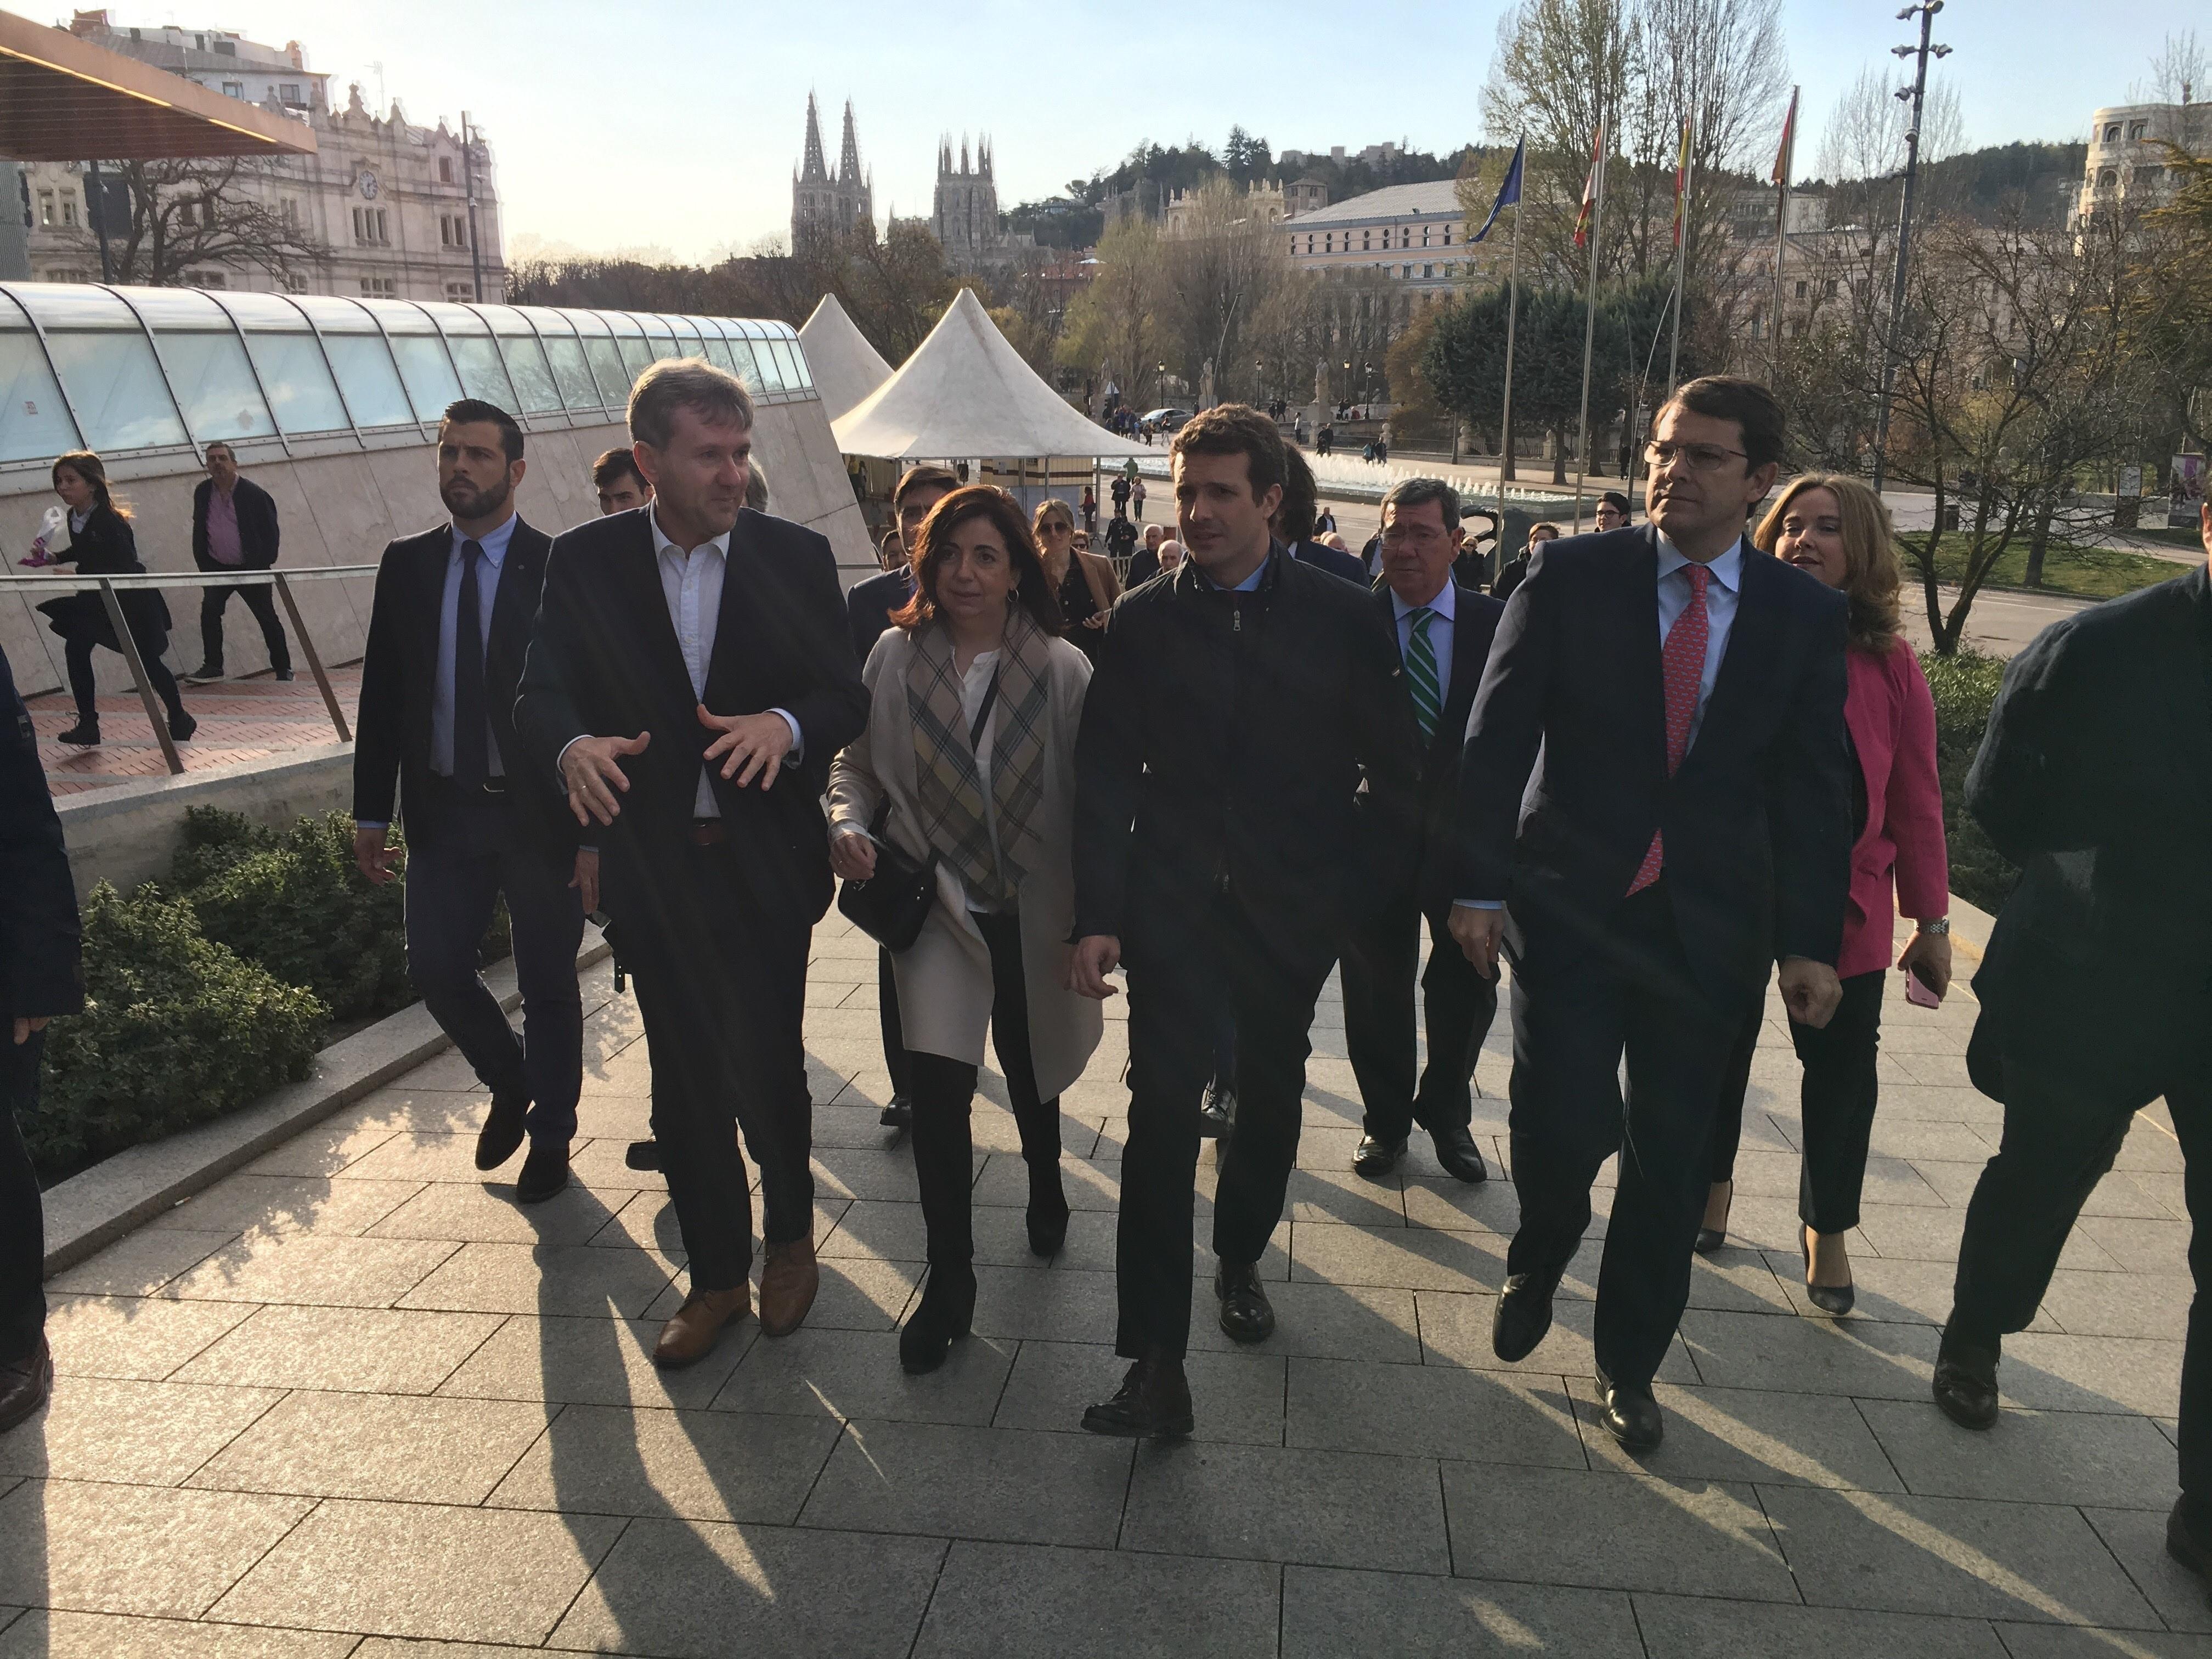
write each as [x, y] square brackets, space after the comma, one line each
[968, 759]
[1084, 581]
[1836, 529]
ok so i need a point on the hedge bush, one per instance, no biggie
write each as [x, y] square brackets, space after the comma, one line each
[1965, 686]
[176, 1029]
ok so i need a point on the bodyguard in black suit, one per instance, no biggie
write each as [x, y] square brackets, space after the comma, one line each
[235, 528]
[690, 678]
[41, 975]
[2095, 776]
[1425, 610]
[1688, 825]
[447, 635]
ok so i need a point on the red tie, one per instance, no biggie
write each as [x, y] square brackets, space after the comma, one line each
[1681, 665]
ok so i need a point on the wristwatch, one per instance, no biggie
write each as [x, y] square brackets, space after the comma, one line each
[1939, 928]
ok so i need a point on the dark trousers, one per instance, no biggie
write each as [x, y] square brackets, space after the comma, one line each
[482, 854]
[1177, 993]
[22, 1221]
[943, 1148]
[261, 600]
[2061, 1135]
[76, 656]
[1632, 993]
[887, 1014]
[722, 989]
[1836, 1103]
[1380, 960]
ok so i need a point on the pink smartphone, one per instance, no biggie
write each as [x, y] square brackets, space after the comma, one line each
[1916, 992]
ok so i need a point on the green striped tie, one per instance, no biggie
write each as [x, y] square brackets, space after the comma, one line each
[1421, 674]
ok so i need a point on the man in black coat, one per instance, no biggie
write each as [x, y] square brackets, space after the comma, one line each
[869, 605]
[235, 528]
[1689, 825]
[447, 634]
[2095, 777]
[41, 975]
[1442, 633]
[1220, 851]
[690, 678]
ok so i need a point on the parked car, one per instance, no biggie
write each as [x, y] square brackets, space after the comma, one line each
[1165, 420]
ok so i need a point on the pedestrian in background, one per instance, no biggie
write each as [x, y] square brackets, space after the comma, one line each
[1084, 583]
[1613, 511]
[622, 487]
[1517, 567]
[1089, 510]
[235, 528]
[1137, 498]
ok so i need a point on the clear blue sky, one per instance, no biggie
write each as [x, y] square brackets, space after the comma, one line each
[678, 122]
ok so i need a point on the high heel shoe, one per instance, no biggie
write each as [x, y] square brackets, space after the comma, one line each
[1711, 1238]
[942, 1317]
[1837, 1299]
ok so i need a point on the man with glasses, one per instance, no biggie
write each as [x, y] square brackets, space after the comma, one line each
[1444, 632]
[1679, 700]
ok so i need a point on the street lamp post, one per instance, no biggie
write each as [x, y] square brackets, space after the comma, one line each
[1917, 95]
[1159, 384]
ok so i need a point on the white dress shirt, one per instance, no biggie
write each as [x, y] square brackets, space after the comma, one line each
[494, 542]
[1442, 627]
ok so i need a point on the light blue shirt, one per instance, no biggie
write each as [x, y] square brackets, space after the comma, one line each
[1249, 585]
[494, 543]
[1443, 622]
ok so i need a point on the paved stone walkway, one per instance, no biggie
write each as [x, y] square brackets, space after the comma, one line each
[252, 718]
[353, 1399]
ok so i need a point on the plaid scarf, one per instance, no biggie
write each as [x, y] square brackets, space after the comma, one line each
[950, 788]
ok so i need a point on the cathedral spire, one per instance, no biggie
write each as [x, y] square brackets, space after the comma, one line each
[849, 161]
[814, 169]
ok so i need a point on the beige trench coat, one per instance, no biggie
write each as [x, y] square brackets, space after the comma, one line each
[944, 980]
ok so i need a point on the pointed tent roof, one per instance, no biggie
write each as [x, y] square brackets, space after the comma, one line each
[847, 369]
[965, 393]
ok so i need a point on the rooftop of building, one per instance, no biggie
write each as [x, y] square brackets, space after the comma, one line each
[1439, 197]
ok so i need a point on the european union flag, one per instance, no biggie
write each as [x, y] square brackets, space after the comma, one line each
[1508, 193]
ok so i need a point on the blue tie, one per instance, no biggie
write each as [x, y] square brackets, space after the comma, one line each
[472, 737]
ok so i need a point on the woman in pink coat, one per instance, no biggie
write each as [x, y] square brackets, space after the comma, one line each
[1837, 529]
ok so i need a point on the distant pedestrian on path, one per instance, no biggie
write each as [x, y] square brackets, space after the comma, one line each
[1089, 510]
[235, 528]
[1137, 499]
[1120, 494]
[41, 975]
[101, 545]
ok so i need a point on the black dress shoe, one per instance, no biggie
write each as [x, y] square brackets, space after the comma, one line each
[502, 1131]
[942, 1317]
[1836, 1299]
[25, 1385]
[1152, 1403]
[2189, 1538]
[545, 1172]
[899, 1115]
[1460, 1157]
[1375, 1159]
[1965, 1385]
[1523, 1315]
[641, 1155]
[85, 734]
[1711, 1238]
[1216, 1112]
[1246, 1314]
[1047, 1228]
[1630, 1414]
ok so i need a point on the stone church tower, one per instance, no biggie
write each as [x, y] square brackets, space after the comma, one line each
[966, 220]
[823, 204]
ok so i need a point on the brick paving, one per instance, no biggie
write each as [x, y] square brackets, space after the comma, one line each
[352, 1400]
[252, 718]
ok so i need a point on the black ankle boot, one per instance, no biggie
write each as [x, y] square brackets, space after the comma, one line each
[942, 1317]
[1048, 1214]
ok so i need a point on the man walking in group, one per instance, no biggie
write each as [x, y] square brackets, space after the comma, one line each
[1444, 632]
[1220, 851]
[235, 528]
[1688, 826]
[2095, 777]
[690, 677]
[447, 634]
[620, 486]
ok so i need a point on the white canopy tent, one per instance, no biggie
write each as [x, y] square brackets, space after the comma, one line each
[847, 369]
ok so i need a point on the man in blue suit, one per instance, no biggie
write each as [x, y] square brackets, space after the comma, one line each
[1444, 632]
[1689, 824]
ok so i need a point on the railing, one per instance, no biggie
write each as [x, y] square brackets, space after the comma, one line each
[108, 588]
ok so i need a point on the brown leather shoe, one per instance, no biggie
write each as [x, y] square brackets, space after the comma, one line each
[690, 1336]
[25, 1385]
[788, 1282]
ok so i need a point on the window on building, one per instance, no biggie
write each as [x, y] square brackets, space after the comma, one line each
[294, 282]
[2136, 129]
[1803, 287]
[377, 287]
[187, 219]
[461, 293]
[2147, 176]
[291, 210]
[444, 169]
[2109, 177]
[1405, 272]
[47, 207]
[69, 275]
[206, 279]
[233, 89]
[289, 93]
[1829, 288]
[2113, 133]
[69, 212]
[1428, 270]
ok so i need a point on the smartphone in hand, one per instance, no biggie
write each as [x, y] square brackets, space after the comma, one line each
[1916, 992]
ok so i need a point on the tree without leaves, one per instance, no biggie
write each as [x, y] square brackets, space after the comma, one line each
[1113, 326]
[193, 214]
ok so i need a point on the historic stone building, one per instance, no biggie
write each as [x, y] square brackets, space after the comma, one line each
[824, 205]
[965, 215]
[2128, 162]
[380, 209]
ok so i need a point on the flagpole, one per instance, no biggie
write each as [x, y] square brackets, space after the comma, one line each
[1681, 255]
[1505, 417]
[1782, 167]
[1590, 324]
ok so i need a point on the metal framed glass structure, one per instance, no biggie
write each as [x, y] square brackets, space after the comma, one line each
[124, 370]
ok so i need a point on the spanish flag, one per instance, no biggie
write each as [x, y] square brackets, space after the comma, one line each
[1682, 182]
[1781, 173]
[1589, 190]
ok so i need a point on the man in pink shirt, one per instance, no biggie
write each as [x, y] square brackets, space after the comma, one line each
[235, 528]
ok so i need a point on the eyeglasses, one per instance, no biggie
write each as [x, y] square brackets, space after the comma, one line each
[1698, 457]
[1410, 536]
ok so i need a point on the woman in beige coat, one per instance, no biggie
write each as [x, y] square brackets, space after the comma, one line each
[968, 754]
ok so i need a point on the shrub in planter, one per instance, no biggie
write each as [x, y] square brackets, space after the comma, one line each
[1964, 685]
[176, 1029]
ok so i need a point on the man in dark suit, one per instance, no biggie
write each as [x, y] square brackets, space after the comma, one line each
[41, 975]
[690, 678]
[1689, 824]
[869, 605]
[2095, 776]
[1444, 632]
[447, 634]
[1238, 706]
[235, 528]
